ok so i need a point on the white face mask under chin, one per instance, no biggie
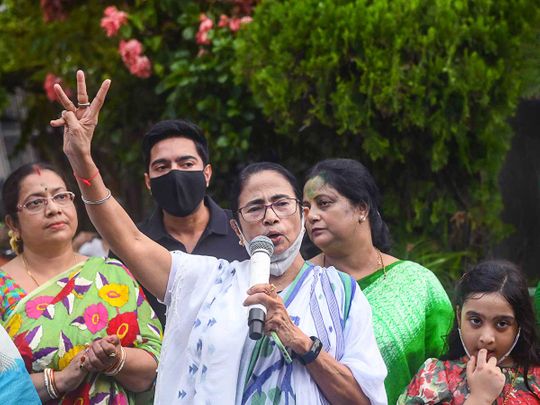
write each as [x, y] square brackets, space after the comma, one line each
[499, 361]
[279, 263]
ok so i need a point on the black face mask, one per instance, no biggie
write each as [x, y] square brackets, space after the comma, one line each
[179, 192]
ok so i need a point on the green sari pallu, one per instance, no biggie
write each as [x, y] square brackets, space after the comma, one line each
[93, 299]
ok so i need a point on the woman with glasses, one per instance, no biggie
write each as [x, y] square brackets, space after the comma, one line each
[83, 328]
[318, 346]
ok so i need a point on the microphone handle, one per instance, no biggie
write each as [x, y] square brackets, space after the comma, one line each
[256, 323]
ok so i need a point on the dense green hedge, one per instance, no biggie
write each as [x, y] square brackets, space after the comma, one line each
[420, 91]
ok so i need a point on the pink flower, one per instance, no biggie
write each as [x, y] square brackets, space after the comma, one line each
[202, 35]
[223, 21]
[206, 23]
[112, 21]
[138, 64]
[202, 38]
[234, 24]
[35, 307]
[142, 67]
[130, 50]
[246, 20]
[96, 317]
[48, 85]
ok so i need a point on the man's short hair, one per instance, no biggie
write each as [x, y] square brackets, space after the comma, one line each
[174, 129]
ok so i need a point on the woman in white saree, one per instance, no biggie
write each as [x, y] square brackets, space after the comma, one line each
[317, 314]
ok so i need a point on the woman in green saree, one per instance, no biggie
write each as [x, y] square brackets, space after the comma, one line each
[82, 325]
[411, 311]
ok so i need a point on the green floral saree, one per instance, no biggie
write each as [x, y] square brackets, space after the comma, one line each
[55, 321]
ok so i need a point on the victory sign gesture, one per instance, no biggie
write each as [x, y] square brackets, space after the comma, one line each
[79, 121]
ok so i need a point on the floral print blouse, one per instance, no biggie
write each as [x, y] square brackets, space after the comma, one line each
[445, 383]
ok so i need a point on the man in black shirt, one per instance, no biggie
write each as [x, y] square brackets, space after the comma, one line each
[178, 173]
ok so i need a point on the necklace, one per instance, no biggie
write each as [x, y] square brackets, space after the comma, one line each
[380, 262]
[28, 271]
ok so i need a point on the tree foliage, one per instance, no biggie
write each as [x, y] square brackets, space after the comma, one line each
[419, 90]
[188, 79]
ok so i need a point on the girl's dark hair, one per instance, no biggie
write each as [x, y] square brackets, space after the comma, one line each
[255, 168]
[505, 278]
[12, 185]
[351, 179]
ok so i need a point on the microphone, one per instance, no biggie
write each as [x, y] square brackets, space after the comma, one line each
[261, 249]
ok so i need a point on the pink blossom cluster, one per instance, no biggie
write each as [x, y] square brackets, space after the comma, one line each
[204, 27]
[138, 64]
[234, 23]
[112, 20]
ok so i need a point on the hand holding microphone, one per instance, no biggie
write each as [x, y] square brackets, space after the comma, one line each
[261, 249]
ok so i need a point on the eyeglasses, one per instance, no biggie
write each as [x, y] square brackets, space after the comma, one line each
[284, 207]
[35, 205]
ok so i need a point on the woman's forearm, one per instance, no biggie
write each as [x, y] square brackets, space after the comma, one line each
[139, 371]
[336, 381]
[39, 384]
[109, 218]
[65, 381]
[148, 261]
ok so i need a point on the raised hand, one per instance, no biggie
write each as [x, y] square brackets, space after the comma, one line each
[485, 379]
[79, 121]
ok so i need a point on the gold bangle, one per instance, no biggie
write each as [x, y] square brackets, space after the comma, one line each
[118, 366]
[50, 385]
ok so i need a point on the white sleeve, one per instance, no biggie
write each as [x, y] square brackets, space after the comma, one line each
[187, 269]
[362, 354]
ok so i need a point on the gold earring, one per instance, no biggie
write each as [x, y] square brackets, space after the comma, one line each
[14, 241]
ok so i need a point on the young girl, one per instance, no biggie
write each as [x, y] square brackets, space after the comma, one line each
[493, 352]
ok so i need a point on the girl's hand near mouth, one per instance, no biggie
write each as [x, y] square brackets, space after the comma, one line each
[485, 379]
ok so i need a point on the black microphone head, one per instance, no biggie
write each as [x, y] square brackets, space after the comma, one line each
[261, 243]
